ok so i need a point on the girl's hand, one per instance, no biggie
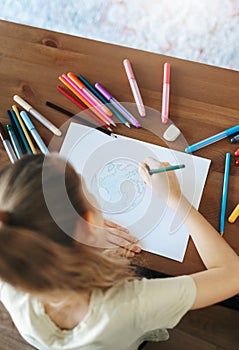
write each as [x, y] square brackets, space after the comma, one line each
[119, 237]
[164, 184]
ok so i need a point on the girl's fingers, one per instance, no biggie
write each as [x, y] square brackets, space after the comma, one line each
[122, 235]
[120, 238]
[120, 232]
[124, 252]
[128, 252]
[114, 225]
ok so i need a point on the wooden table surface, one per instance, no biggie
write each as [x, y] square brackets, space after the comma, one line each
[204, 100]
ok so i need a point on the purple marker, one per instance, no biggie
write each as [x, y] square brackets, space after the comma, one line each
[117, 105]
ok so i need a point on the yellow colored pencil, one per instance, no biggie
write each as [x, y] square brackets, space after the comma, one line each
[32, 147]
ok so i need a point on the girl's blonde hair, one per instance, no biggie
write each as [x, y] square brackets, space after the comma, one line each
[36, 256]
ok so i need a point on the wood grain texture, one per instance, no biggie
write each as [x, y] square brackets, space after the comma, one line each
[213, 328]
[204, 101]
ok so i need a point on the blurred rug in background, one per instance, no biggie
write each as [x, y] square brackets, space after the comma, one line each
[205, 31]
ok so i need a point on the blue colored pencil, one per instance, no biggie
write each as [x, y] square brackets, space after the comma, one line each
[224, 193]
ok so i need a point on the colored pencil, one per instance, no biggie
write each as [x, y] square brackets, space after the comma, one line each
[169, 168]
[72, 115]
[224, 193]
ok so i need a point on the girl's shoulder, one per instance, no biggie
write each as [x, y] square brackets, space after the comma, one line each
[147, 288]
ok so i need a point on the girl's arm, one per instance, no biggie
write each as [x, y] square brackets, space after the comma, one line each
[221, 279]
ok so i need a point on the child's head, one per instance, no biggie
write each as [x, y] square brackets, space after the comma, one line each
[36, 253]
[23, 187]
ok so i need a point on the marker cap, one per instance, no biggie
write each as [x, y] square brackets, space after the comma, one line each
[166, 75]
[26, 120]
[128, 69]
[103, 91]
[22, 103]
[75, 80]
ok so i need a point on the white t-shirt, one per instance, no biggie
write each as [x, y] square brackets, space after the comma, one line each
[120, 318]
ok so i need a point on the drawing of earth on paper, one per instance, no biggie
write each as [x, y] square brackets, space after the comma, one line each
[125, 200]
[118, 186]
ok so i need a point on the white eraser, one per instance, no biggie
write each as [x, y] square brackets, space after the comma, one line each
[171, 133]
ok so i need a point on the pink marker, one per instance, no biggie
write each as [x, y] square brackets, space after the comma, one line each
[134, 87]
[165, 95]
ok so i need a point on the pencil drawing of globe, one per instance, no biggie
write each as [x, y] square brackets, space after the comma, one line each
[118, 186]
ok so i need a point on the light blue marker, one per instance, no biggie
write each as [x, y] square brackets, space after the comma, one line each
[212, 139]
[34, 132]
[224, 193]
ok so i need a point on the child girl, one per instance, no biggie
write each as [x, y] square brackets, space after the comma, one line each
[65, 294]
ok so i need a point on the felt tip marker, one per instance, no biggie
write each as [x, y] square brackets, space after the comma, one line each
[117, 105]
[37, 115]
[134, 87]
[212, 139]
[165, 94]
[34, 132]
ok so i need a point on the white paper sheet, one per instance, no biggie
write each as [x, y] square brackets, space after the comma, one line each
[109, 167]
